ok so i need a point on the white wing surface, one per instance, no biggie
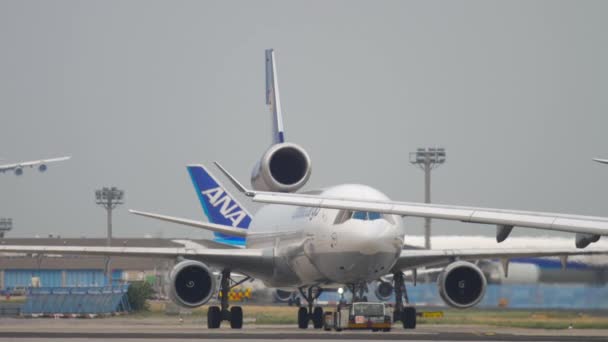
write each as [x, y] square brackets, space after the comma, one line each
[603, 161]
[240, 260]
[588, 228]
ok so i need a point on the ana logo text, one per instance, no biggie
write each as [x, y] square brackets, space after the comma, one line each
[229, 209]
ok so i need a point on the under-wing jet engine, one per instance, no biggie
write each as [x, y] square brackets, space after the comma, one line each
[461, 284]
[192, 284]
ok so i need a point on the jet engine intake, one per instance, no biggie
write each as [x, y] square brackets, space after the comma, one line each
[192, 284]
[42, 167]
[384, 290]
[282, 296]
[461, 284]
[19, 171]
[284, 167]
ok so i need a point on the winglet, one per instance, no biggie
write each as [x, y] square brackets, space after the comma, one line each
[240, 187]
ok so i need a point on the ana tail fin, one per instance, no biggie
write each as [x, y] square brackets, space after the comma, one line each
[272, 98]
[218, 204]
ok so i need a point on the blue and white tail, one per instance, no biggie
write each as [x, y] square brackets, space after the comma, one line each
[218, 204]
[272, 98]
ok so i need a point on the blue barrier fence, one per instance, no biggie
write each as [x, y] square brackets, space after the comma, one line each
[517, 296]
[532, 296]
[76, 300]
[19, 278]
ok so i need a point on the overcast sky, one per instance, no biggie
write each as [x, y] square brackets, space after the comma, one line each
[134, 90]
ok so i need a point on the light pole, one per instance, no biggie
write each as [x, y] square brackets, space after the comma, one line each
[427, 159]
[109, 198]
[6, 224]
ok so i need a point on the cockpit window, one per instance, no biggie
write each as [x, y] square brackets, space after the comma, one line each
[345, 215]
[360, 215]
[365, 215]
[374, 216]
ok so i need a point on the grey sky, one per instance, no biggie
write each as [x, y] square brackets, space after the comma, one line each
[134, 90]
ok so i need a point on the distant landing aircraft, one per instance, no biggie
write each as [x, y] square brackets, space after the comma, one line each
[41, 164]
[603, 161]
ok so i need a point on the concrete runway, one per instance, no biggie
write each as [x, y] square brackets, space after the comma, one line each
[169, 329]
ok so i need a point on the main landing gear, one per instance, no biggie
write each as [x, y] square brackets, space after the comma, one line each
[215, 314]
[403, 313]
[359, 292]
[314, 314]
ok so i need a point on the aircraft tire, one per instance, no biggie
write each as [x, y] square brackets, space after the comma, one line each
[408, 317]
[236, 317]
[214, 317]
[317, 318]
[302, 318]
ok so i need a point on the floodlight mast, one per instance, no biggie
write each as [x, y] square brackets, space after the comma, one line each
[109, 198]
[6, 224]
[427, 159]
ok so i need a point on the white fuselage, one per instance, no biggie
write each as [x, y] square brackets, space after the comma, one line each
[314, 246]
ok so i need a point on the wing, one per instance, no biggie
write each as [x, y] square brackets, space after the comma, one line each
[588, 228]
[603, 161]
[411, 259]
[31, 163]
[241, 260]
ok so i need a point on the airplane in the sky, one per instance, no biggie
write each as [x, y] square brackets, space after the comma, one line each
[344, 235]
[42, 165]
[603, 161]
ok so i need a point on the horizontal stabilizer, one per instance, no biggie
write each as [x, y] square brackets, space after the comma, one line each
[192, 223]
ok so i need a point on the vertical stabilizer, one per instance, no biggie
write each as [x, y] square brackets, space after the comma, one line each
[218, 204]
[272, 98]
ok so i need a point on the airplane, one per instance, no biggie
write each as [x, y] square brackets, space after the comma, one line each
[343, 235]
[42, 165]
[603, 161]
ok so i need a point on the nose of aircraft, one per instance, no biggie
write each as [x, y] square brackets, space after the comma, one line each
[364, 251]
[371, 237]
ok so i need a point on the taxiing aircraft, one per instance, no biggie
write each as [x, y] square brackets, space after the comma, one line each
[344, 235]
[42, 165]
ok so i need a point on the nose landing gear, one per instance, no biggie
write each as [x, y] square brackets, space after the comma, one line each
[314, 314]
[215, 315]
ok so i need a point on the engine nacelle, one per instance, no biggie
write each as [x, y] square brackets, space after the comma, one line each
[192, 284]
[583, 240]
[19, 171]
[384, 290]
[461, 284]
[282, 296]
[42, 167]
[284, 167]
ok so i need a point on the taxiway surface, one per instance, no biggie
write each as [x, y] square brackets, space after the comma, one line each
[171, 329]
